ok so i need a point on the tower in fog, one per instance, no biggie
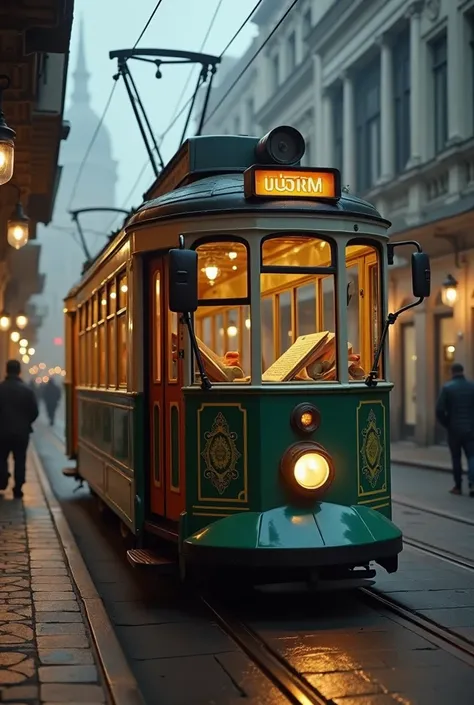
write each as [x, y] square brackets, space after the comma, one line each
[61, 254]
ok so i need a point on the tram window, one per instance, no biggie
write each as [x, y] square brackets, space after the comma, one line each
[223, 270]
[296, 251]
[122, 349]
[102, 304]
[363, 307]
[267, 331]
[102, 355]
[95, 356]
[172, 347]
[245, 342]
[112, 353]
[303, 341]
[95, 309]
[157, 335]
[206, 331]
[122, 292]
[219, 334]
[82, 358]
[112, 297]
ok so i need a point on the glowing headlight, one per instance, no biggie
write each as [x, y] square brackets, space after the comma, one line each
[307, 468]
[312, 471]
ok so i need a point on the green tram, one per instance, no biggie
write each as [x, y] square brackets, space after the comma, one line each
[228, 384]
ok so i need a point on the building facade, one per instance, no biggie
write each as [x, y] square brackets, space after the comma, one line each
[62, 255]
[383, 90]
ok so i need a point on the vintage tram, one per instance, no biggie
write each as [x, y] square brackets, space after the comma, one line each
[227, 382]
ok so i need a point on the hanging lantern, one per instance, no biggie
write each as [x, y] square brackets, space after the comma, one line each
[449, 292]
[18, 228]
[7, 139]
[21, 321]
[5, 321]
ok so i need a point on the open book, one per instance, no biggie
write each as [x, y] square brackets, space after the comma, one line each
[215, 366]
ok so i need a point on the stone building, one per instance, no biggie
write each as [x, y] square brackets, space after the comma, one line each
[383, 90]
[62, 255]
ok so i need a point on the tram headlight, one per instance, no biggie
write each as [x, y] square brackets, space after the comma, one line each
[305, 418]
[307, 468]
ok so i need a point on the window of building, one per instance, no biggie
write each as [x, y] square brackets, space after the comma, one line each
[338, 127]
[250, 116]
[402, 89]
[222, 320]
[275, 70]
[291, 51]
[298, 310]
[440, 92]
[363, 307]
[307, 26]
[368, 126]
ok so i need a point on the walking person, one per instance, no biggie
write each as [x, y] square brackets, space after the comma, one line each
[455, 412]
[51, 397]
[18, 411]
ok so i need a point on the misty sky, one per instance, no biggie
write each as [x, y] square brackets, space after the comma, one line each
[178, 24]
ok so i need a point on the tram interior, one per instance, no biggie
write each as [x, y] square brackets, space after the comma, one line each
[298, 310]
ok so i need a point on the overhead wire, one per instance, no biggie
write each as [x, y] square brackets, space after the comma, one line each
[250, 62]
[177, 115]
[104, 113]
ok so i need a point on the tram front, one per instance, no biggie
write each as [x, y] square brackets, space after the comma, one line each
[287, 402]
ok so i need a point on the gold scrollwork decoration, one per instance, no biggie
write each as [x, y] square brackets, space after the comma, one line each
[221, 454]
[372, 450]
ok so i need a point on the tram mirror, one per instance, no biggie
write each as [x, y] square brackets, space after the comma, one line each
[183, 281]
[421, 274]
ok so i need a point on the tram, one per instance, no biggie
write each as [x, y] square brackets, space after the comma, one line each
[227, 378]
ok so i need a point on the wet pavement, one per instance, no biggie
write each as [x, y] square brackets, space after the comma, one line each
[354, 653]
[46, 653]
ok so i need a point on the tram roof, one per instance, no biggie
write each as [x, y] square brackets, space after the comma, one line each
[206, 176]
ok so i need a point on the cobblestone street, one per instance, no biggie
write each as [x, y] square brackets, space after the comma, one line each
[45, 647]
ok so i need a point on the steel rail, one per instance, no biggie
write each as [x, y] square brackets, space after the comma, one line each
[288, 681]
[432, 510]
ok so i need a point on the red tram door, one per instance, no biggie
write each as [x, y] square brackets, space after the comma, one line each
[165, 368]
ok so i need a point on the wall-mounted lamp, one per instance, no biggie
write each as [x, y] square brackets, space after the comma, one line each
[449, 291]
[21, 321]
[5, 322]
[7, 139]
[18, 225]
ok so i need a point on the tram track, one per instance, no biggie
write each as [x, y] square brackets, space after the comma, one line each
[401, 502]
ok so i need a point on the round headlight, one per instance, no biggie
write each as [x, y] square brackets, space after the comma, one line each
[311, 471]
[307, 468]
[305, 418]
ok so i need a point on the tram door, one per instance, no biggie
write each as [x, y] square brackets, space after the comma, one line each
[165, 371]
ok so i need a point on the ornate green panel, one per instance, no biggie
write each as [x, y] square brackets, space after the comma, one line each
[222, 453]
[372, 456]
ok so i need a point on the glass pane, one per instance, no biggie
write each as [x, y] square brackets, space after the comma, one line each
[222, 351]
[353, 307]
[296, 251]
[157, 330]
[245, 343]
[112, 297]
[102, 355]
[222, 268]
[95, 357]
[173, 347]
[286, 330]
[267, 328]
[123, 292]
[102, 304]
[122, 349]
[112, 353]
[306, 309]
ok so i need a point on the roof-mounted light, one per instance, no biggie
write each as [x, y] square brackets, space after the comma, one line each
[283, 145]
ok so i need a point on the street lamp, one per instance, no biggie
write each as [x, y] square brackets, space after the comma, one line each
[17, 225]
[15, 336]
[21, 321]
[5, 321]
[449, 291]
[7, 139]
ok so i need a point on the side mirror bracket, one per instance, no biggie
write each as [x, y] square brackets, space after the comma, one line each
[421, 285]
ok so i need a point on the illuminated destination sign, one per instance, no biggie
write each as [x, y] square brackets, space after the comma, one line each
[277, 182]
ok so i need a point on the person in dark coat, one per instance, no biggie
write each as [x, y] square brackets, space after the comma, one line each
[51, 397]
[455, 412]
[18, 411]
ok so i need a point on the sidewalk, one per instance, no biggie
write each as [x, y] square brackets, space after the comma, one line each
[431, 457]
[46, 652]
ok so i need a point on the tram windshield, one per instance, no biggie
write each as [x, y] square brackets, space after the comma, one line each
[298, 309]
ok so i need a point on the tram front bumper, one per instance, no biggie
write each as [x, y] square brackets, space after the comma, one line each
[327, 535]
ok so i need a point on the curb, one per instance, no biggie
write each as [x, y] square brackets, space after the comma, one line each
[120, 680]
[421, 466]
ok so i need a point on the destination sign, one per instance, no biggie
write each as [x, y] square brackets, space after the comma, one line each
[292, 183]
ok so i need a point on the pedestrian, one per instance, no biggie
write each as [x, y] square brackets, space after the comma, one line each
[18, 411]
[455, 412]
[51, 397]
